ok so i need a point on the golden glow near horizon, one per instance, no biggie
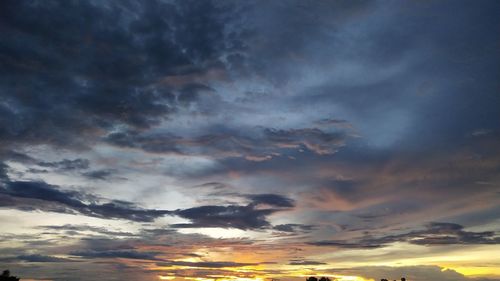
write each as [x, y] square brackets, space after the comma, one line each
[464, 261]
[234, 278]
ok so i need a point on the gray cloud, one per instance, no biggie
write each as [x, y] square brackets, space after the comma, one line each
[42, 258]
[251, 216]
[102, 174]
[258, 145]
[271, 200]
[126, 254]
[79, 228]
[433, 235]
[305, 262]
[293, 227]
[26, 195]
[242, 217]
[96, 76]
[66, 164]
[3, 171]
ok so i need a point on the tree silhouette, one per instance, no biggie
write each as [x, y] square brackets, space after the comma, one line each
[316, 279]
[6, 276]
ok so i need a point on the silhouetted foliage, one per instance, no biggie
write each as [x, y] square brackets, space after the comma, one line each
[6, 276]
[316, 279]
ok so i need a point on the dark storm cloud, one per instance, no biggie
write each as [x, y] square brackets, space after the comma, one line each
[27, 195]
[43, 191]
[61, 165]
[251, 216]
[431, 50]
[42, 258]
[271, 200]
[261, 144]
[70, 70]
[83, 228]
[293, 227]
[99, 174]
[450, 233]
[126, 254]
[287, 33]
[66, 164]
[305, 262]
[233, 216]
[3, 171]
[435, 234]
[16, 156]
[125, 210]
[345, 244]
[212, 185]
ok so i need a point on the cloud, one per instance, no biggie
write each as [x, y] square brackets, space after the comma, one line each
[305, 262]
[126, 254]
[212, 185]
[82, 228]
[450, 233]
[43, 191]
[252, 216]
[233, 216]
[27, 195]
[258, 144]
[418, 273]
[66, 88]
[271, 200]
[102, 174]
[3, 171]
[42, 258]
[292, 227]
[67, 165]
[125, 210]
[434, 234]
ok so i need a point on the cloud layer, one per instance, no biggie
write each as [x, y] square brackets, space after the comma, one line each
[258, 139]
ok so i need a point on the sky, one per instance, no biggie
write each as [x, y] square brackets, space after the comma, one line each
[250, 140]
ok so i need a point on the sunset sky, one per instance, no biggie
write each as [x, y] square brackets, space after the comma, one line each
[250, 140]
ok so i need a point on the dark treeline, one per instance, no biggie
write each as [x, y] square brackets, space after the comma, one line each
[328, 279]
[6, 276]
[316, 279]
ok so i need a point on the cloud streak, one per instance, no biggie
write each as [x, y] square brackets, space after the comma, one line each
[435, 234]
